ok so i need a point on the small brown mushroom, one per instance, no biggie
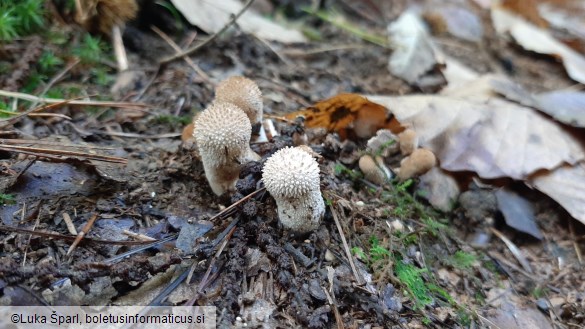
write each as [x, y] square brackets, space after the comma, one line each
[374, 169]
[408, 141]
[244, 93]
[416, 164]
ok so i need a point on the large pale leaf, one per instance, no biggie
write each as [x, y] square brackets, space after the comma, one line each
[565, 106]
[566, 185]
[211, 16]
[535, 39]
[413, 54]
[493, 137]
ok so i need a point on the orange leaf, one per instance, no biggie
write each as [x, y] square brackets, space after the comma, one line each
[346, 113]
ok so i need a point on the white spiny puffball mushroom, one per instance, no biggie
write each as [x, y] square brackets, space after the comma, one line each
[223, 133]
[291, 176]
[244, 93]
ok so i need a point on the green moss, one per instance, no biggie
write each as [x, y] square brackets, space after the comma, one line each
[411, 278]
[20, 17]
[462, 260]
[7, 199]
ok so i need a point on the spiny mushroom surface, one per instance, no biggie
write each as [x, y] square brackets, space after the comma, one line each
[223, 133]
[291, 176]
[244, 93]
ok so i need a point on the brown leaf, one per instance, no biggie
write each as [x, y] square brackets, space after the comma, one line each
[346, 112]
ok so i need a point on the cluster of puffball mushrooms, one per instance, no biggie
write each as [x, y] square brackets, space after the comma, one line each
[223, 132]
[416, 161]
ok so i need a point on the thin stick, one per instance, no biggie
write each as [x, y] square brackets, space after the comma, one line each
[137, 236]
[358, 277]
[54, 80]
[37, 221]
[81, 234]
[208, 40]
[223, 212]
[44, 151]
[70, 227]
[50, 143]
[119, 50]
[206, 277]
[32, 98]
[178, 50]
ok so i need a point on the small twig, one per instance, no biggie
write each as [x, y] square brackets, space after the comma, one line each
[226, 210]
[31, 98]
[69, 223]
[150, 244]
[132, 135]
[119, 50]
[51, 235]
[178, 50]
[37, 221]
[300, 257]
[54, 80]
[50, 115]
[137, 236]
[208, 40]
[225, 236]
[515, 250]
[17, 141]
[45, 152]
[575, 244]
[357, 275]
[81, 234]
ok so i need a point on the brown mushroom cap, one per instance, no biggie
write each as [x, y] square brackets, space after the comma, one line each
[416, 164]
[244, 93]
[408, 141]
[374, 169]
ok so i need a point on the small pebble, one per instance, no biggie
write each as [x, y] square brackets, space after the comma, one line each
[397, 225]
[329, 256]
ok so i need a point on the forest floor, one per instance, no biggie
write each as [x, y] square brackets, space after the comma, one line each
[382, 258]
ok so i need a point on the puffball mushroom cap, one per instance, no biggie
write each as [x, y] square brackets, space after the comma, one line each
[242, 92]
[291, 176]
[222, 133]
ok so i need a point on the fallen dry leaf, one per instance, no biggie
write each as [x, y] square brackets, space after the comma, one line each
[565, 106]
[212, 16]
[456, 20]
[493, 138]
[518, 212]
[566, 185]
[348, 112]
[413, 54]
[533, 38]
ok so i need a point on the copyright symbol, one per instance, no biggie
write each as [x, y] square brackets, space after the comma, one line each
[15, 318]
